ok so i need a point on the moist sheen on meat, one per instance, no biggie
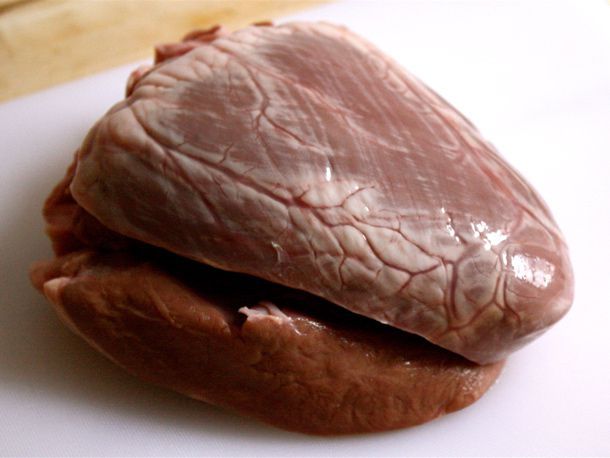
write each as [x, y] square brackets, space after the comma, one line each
[302, 154]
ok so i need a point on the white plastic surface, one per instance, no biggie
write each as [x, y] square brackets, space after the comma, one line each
[533, 76]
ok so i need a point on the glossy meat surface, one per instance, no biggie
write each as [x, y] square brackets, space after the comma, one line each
[301, 154]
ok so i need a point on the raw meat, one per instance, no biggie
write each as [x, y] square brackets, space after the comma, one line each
[283, 356]
[301, 154]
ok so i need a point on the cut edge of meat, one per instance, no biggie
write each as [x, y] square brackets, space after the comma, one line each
[282, 365]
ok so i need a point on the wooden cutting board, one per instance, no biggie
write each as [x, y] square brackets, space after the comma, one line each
[46, 42]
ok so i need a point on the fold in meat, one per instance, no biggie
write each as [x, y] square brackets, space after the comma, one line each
[301, 154]
[281, 355]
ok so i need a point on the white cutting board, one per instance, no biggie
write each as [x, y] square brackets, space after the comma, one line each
[534, 76]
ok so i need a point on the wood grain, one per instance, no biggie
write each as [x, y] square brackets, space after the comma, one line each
[46, 42]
